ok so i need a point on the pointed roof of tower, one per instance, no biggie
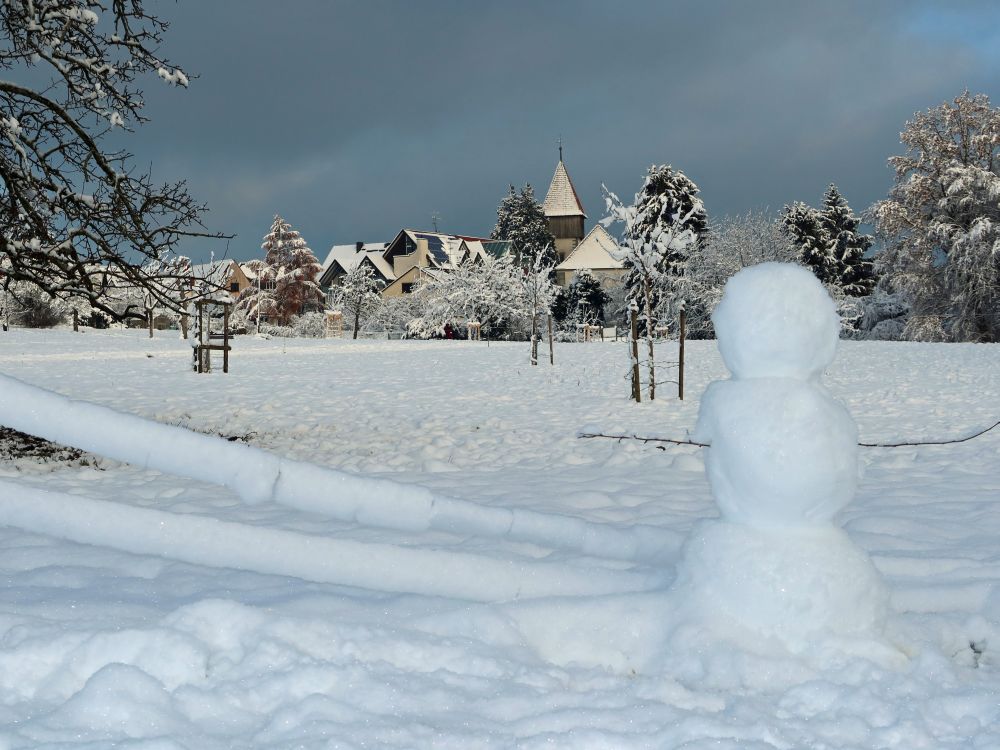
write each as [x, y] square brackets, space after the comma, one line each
[562, 200]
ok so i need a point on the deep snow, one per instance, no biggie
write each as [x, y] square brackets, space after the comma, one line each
[184, 647]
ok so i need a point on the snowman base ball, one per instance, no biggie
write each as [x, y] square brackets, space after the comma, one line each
[790, 584]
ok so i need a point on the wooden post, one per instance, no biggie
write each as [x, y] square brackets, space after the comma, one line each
[552, 356]
[201, 338]
[225, 338]
[149, 319]
[680, 358]
[76, 320]
[635, 356]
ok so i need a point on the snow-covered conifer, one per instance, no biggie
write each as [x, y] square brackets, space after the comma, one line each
[855, 272]
[583, 301]
[521, 220]
[662, 228]
[295, 270]
[804, 226]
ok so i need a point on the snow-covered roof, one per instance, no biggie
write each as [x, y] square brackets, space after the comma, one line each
[348, 256]
[596, 251]
[216, 273]
[477, 249]
[248, 271]
[562, 200]
[377, 258]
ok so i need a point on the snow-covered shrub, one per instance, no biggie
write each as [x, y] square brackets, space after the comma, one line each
[26, 304]
[311, 325]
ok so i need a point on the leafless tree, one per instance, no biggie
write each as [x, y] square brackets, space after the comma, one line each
[76, 217]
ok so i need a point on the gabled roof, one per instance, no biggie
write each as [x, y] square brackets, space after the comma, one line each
[348, 256]
[378, 261]
[562, 200]
[596, 251]
[216, 273]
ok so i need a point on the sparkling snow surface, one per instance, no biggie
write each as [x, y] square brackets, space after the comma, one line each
[228, 633]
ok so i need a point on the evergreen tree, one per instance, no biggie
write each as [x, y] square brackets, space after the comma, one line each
[521, 220]
[804, 227]
[589, 296]
[662, 228]
[666, 223]
[295, 270]
[855, 273]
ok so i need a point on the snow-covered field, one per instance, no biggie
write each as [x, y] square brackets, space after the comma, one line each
[508, 582]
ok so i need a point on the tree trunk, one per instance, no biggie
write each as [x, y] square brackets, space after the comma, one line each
[534, 340]
[149, 320]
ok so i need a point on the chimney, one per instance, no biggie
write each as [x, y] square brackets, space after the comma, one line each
[358, 246]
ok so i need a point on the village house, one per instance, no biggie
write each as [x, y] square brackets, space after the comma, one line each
[342, 259]
[219, 276]
[596, 253]
[411, 255]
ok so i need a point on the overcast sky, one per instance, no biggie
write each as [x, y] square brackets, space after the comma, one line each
[356, 119]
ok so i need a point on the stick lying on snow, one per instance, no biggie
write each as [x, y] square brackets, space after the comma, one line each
[674, 441]
[258, 476]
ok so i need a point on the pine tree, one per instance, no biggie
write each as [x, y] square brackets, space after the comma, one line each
[589, 296]
[666, 223]
[521, 220]
[662, 228]
[804, 226]
[855, 273]
[582, 301]
[295, 270]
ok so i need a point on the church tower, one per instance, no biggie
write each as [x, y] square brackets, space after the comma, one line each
[564, 211]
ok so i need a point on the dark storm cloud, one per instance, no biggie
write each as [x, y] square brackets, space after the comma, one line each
[353, 120]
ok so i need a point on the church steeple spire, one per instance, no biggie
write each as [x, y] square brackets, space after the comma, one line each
[564, 210]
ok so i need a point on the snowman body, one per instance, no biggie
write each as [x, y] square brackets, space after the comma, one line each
[782, 463]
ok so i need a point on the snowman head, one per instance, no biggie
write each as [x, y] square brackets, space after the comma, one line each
[776, 320]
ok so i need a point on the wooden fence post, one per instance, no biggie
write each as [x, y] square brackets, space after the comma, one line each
[225, 338]
[552, 356]
[680, 371]
[635, 356]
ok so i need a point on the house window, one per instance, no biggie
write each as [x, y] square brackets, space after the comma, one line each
[407, 287]
[234, 287]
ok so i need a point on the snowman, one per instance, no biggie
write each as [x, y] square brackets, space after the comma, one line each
[782, 463]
